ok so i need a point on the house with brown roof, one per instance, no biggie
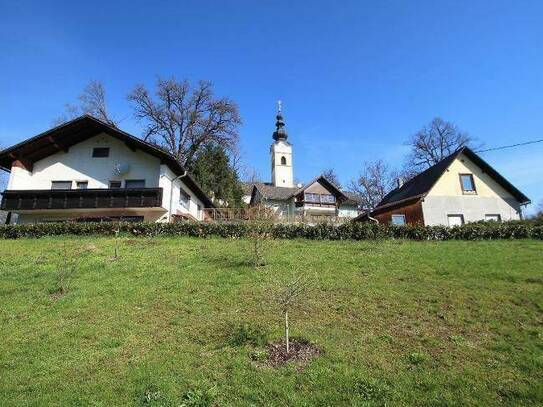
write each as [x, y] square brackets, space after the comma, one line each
[460, 188]
[317, 199]
[86, 169]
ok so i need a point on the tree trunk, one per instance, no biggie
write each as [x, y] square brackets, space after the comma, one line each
[286, 331]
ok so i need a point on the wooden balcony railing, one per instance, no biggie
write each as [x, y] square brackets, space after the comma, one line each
[13, 200]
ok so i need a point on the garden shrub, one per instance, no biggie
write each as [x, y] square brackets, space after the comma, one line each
[324, 231]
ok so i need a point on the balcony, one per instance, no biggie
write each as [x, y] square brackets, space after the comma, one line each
[100, 198]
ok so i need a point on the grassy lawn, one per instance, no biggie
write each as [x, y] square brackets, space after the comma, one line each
[180, 320]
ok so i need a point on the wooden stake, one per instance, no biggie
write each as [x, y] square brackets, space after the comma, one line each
[286, 331]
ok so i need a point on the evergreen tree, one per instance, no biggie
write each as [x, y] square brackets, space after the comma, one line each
[212, 170]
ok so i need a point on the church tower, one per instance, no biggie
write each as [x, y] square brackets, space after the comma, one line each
[281, 154]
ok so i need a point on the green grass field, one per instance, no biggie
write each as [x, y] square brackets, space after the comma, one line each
[180, 321]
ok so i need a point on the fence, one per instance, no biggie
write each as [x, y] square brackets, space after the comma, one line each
[259, 213]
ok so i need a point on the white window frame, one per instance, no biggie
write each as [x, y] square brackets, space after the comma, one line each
[397, 216]
[185, 203]
[468, 191]
[455, 216]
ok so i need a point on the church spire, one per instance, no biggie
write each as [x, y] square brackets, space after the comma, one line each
[280, 133]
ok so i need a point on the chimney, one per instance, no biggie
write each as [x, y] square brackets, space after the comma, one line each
[400, 182]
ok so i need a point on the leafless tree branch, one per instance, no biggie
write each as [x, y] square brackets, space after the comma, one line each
[434, 142]
[182, 119]
[92, 101]
[373, 183]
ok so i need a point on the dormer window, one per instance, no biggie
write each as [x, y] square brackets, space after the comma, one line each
[100, 152]
[283, 160]
[467, 183]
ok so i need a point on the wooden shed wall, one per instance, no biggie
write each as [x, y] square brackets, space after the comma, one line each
[411, 210]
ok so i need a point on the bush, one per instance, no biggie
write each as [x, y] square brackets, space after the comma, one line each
[347, 231]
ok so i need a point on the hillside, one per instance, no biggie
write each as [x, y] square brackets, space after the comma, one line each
[185, 322]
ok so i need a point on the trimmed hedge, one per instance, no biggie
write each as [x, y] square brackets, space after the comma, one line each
[348, 231]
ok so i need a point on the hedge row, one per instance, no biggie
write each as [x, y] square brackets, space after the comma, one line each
[348, 231]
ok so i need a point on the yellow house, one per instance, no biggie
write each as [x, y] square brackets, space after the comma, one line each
[460, 188]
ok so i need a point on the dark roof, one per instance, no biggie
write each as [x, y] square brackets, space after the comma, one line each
[82, 128]
[247, 187]
[421, 184]
[269, 191]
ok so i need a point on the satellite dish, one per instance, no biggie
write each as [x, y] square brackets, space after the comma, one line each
[121, 168]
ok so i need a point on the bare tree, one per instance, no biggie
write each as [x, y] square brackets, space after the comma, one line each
[330, 175]
[375, 181]
[290, 295]
[258, 237]
[92, 101]
[250, 174]
[432, 143]
[181, 118]
[66, 269]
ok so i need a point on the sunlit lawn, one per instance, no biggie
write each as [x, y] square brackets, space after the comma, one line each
[400, 323]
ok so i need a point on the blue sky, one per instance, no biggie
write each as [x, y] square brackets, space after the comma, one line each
[356, 77]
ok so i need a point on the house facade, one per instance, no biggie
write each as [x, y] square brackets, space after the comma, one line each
[88, 170]
[319, 199]
[459, 189]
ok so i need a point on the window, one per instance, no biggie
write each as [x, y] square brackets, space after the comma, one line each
[100, 152]
[115, 184]
[82, 184]
[455, 220]
[61, 184]
[328, 199]
[184, 199]
[134, 183]
[466, 181]
[283, 160]
[398, 220]
[199, 211]
[494, 218]
[309, 197]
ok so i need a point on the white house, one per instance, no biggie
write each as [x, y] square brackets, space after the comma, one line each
[319, 198]
[88, 170]
[460, 188]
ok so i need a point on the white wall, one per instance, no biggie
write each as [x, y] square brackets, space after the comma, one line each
[282, 175]
[348, 211]
[447, 198]
[19, 178]
[246, 199]
[166, 177]
[79, 165]
[473, 208]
